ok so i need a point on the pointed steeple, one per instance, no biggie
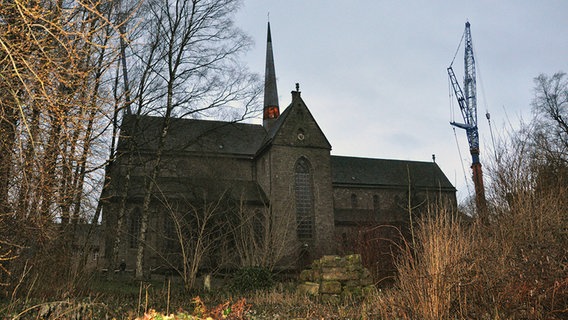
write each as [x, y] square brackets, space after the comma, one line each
[271, 109]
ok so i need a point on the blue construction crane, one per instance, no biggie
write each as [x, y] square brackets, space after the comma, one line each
[467, 101]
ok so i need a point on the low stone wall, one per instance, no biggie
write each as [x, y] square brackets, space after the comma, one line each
[336, 276]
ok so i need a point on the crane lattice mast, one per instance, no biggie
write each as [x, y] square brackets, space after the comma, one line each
[467, 101]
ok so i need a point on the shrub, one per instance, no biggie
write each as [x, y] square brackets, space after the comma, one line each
[431, 276]
[515, 268]
[252, 279]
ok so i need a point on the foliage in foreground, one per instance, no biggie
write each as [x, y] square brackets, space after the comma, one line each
[227, 310]
[270, 304]
[515, 268]
[252, 279]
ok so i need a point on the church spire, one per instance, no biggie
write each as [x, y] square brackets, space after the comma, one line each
[271, 109]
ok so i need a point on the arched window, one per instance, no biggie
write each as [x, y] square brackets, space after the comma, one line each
[134, 228]
[354, 203]
[304, 200]
[170, 233]
[376, 203]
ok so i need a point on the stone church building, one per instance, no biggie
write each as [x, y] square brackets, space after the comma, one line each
[275, 187]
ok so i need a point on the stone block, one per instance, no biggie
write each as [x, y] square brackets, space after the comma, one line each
[352, 283]
[316, 264]
[309, 288]
[333, 273]
[339, 274]
[316, 274]
[354, 259]
[334, 276]
[332, 261]
[330, 287]
[354, 267]
[307, 275]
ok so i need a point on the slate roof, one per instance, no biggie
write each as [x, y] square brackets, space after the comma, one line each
[191, 135]
[192, 189]
[242, 139]
[353, 171]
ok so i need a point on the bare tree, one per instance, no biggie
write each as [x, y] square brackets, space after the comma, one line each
[214, 231]
[262, 236]
[185, 64]
[550, 105]
[550, 139]
[53, 57]
[193, 233]
[535, 157]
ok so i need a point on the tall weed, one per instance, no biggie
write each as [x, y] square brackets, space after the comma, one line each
[515, 268]
[431, 277]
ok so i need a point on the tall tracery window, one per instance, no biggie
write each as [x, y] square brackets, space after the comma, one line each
[304, 200]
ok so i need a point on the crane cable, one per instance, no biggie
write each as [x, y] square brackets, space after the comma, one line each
[451, 97]
[450, 89]
[457, 49]
[452, 115]
[487, 115]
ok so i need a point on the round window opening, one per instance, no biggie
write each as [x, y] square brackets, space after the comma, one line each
[301, 135]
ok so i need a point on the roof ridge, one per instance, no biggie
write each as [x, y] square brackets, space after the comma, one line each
[236, 122]
[379, 159]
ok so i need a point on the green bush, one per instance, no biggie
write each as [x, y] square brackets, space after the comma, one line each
[252, 279]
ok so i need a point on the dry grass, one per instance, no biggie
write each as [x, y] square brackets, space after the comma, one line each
[431, 276]
[125, 302]
[288, 304]
[515, 268]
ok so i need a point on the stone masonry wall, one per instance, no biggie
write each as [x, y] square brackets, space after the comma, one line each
[334, 276]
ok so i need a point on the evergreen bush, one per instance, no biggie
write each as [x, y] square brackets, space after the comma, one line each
[252, 279]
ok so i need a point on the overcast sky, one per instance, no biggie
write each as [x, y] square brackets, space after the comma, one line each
[373, 72]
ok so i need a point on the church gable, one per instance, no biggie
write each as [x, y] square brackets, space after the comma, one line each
[297, 127]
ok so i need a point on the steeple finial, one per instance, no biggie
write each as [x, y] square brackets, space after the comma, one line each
[271, 108]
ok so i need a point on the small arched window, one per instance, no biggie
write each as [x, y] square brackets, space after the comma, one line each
[354, 203]
[170, 233]
[376, 203]
[134, 228]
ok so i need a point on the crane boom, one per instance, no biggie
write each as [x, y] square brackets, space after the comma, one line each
[467, 101]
